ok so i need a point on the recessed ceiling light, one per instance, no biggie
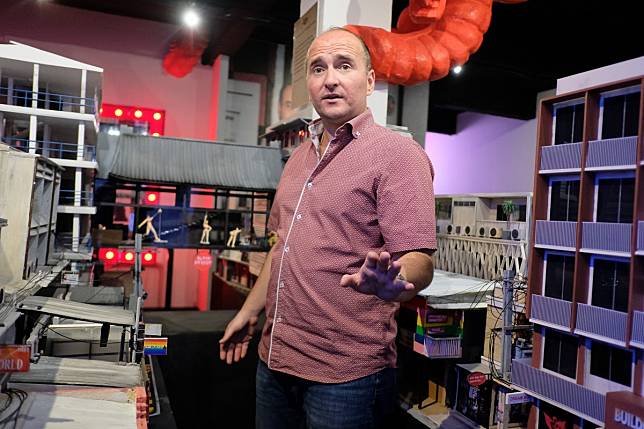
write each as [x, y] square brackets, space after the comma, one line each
[191, 18]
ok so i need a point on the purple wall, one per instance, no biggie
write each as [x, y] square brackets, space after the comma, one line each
[489, 154]
[129, 50]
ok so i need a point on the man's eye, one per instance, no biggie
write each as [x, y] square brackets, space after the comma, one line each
[317, 70]
[345, 67]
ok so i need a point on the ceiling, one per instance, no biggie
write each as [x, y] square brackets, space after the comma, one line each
[527, 47]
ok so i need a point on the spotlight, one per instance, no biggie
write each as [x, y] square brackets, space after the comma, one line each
[457, 69]
[156, 116]
[191, 18]
[138, 114]
[118, 113]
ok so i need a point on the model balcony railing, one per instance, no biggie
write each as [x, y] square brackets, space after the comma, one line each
[602, 322]
[551, 311]
[47, 100]
[637, 333]
[66, 242]
[446, 348]
[69, 197]
[561, 157]
[556, 233]
[618, 152]
[483, 258]
[52, 149]
[607, 237]
[585, 401]
[640, 236]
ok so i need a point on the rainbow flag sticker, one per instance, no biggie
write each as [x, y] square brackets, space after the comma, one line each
[155, 346]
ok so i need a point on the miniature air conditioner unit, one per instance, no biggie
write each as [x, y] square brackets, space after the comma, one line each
[514, 234]
[496, 232]
[458, 230]
[450, 229]
[469, 230]
[483, 231]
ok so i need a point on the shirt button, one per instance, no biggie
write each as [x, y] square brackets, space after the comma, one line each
[309, 185]
[357, 133]
[278, 320]
[281, 284]
[299, 216]
[286, 249]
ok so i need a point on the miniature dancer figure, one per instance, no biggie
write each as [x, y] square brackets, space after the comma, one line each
[150, 227]
[233, 237]
[205, 234]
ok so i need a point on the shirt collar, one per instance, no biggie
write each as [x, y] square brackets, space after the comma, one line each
[356, 127]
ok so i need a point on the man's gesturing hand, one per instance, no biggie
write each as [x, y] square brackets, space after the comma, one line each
[234, 344]
[377, 276]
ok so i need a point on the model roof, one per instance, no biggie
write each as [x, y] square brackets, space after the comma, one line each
[20, 52]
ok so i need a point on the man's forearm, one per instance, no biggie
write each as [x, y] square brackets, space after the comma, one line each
[256, 300]
[418, 269]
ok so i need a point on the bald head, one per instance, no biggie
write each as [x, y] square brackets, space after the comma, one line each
[365, 49]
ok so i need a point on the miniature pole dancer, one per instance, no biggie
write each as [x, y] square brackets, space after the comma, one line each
[150, 227]
[205, 234]
[233, 237]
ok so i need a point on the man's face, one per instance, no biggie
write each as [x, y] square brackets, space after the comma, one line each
[285, 108]
[337, 77]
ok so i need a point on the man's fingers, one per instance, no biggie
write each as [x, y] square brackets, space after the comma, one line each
[348, 280]
[222, 351]
[393, 270]
[238, 352]
[371, 260]
[230, 351]
[383, 262]
[244, 350]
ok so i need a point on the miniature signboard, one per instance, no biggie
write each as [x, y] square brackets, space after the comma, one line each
[475, 379]
[14, 358]
[203, 261]
[153, 329]
[514, 398]
[70, 278]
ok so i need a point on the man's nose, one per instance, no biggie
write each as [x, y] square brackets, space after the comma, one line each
[331, 78]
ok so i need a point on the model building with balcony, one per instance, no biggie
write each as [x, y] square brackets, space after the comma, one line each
[586, 275]
[49, 107]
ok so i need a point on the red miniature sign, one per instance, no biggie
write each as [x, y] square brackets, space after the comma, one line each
[14, 358]
[476, 379]
[203, 261]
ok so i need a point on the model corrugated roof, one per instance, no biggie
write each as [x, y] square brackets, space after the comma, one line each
[20, 52]
[178, 161]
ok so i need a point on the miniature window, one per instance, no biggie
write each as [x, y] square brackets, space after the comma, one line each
[569, 124]
[610, 284]
[564, 200]
[615, 199]
[620, 115]
[559, 276]
[611, 363]
[560, 353]
[553, 417]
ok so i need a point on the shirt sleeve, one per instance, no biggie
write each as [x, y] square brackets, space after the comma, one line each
[405, 201]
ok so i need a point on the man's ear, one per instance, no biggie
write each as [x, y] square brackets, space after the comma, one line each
[371, 81]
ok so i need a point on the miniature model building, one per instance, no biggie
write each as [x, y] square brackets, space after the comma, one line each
[587, 265]
[50, 108]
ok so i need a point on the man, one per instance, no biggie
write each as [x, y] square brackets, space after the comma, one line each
[354, 215]
[285, 108]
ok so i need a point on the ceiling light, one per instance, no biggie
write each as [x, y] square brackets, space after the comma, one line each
[457, 69]
[191, 18]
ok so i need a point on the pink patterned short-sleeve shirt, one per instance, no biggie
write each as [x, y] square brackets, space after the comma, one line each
[371, 190]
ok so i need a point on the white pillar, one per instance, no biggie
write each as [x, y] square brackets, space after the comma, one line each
[78, 186]
[278, 81]
[33, 133]
[76, 233]
[34, 86]
[81, 141]
[83, 90]
[374, 13]
[415, 110]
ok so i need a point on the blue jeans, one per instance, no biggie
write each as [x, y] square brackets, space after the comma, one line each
[288, 402]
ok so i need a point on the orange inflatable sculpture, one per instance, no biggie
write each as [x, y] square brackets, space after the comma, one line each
[184, 53]
[430, 38]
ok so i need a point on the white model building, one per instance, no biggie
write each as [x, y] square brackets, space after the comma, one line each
[49, 106]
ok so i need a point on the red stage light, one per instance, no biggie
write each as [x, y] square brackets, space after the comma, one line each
[152, 198]
[155, 134]
[107, 255]
[149, 258]
[128, 256]
[156, 116]
[138, 114]
[118, 113]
